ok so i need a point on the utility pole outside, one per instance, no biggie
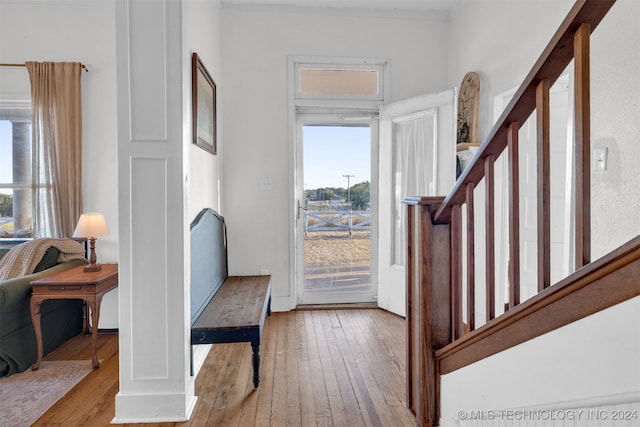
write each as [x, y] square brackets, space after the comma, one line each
[349, 200]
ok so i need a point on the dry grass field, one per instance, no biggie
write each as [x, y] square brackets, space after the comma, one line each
[337, 262]
[337, 248]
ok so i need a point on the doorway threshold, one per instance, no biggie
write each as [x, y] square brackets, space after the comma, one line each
[344, 306]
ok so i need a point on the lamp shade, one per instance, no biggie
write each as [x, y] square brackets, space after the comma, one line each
[91, 225]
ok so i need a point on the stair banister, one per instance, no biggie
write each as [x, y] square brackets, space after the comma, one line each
[438, 341]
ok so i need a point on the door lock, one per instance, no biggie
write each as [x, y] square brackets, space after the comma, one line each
[299, 208]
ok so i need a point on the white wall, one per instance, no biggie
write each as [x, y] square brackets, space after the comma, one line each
[83, 32]
[255, 47]
[615, 125]
[498, 40]
[201, 31]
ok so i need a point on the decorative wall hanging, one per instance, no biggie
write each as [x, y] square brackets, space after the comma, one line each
[203, 106]
[468, 100]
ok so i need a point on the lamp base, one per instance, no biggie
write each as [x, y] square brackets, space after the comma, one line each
[92, 268]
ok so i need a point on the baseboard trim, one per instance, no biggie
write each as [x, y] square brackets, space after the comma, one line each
[133, 408]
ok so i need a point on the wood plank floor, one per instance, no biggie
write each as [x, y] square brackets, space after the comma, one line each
[318, 368]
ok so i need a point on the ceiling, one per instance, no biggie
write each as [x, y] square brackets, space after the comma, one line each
[421, 5]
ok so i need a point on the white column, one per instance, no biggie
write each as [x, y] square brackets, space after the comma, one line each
[155, 384]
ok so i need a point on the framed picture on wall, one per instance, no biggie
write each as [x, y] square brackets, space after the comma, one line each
[203, 106]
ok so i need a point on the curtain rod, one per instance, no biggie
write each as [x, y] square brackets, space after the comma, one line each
[84, 67]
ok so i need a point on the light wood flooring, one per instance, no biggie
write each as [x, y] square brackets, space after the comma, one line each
[319, 368]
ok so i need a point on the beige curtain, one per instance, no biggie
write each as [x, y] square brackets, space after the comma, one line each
[56, 147]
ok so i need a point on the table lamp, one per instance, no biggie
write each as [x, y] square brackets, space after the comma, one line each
[91, 226]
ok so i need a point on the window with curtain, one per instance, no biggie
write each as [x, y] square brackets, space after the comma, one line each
[414, 156]
[41, 155]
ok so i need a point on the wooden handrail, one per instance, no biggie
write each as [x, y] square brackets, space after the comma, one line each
[550, 65]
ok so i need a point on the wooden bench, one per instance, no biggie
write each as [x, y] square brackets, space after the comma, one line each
[224, 309]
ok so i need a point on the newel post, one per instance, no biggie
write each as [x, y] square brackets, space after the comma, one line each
[428, 305]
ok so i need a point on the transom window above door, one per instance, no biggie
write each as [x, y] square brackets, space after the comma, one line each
[339, 82]
[359, 80]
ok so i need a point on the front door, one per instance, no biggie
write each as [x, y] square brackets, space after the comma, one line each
[336, 210]
[417, 158]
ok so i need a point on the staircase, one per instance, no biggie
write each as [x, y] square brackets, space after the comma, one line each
[443, 338]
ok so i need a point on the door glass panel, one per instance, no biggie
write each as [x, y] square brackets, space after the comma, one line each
[337, 214]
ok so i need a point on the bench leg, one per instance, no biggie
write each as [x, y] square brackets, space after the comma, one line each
[255, 358]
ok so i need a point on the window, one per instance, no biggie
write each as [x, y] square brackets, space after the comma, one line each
[16, 219]
[355, 80]
[339, 82]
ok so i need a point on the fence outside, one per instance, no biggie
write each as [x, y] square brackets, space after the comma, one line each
[336, 221]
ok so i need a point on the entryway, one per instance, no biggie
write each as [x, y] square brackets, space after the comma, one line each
[334, 118]
[335, 215]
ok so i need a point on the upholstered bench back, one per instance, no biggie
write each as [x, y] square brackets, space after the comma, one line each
[208, 259]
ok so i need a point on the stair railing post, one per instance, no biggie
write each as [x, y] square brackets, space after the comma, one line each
[428, 305]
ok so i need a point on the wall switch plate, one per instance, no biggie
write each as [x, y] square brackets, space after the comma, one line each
[600, 159]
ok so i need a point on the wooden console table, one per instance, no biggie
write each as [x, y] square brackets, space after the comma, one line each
[73, 284]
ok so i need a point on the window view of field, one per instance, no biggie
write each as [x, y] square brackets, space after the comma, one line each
[337, 215]
[337, 258]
